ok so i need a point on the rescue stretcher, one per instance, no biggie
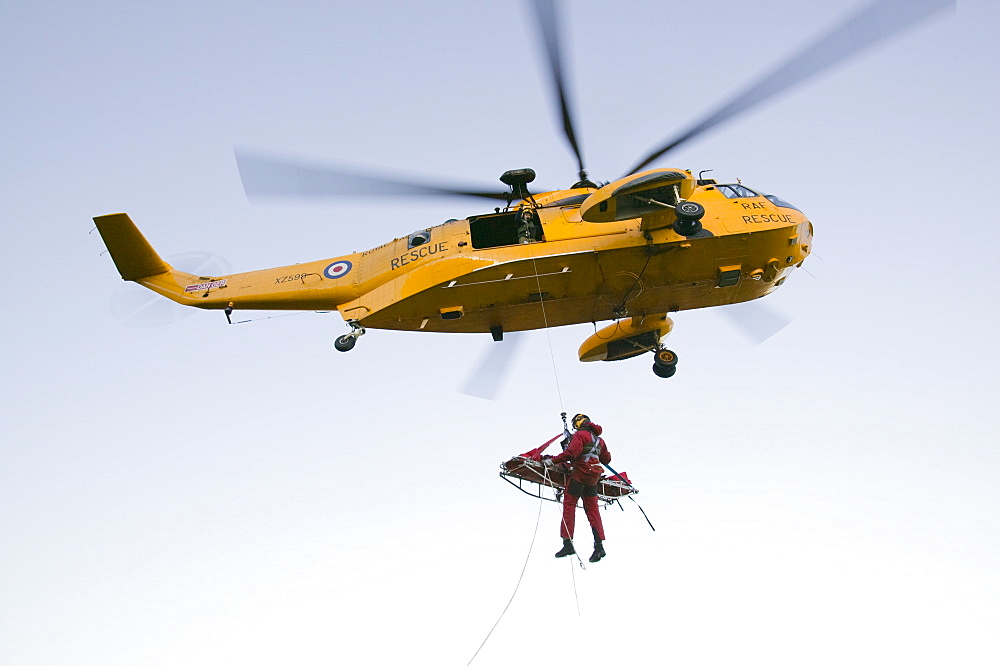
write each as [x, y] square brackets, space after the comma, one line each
[528, 468]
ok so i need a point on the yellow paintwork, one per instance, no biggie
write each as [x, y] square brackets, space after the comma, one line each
[585, 271]
[595, 348]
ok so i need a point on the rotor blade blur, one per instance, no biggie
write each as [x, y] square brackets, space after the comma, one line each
[545, 11]
[136, 307]
[272, 177]
[877, 22]
[487, 378]
[756, 321]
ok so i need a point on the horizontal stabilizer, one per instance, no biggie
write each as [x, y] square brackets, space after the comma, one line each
[131, 252]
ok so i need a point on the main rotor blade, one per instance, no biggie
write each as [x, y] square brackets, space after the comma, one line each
[545, 11]
[273, 177]
[877, 22]
[487, 378]
[756, 321]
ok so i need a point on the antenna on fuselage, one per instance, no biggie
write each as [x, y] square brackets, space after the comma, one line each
[518, 180]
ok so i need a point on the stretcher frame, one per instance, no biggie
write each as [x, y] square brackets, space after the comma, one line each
[520, 470]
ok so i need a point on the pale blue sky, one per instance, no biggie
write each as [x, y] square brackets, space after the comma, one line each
[198, 493]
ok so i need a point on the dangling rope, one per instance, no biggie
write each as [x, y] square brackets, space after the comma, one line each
[538, 521]
[290, 314]
[572, 571]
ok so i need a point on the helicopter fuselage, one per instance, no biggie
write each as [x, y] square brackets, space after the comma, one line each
[500, 272]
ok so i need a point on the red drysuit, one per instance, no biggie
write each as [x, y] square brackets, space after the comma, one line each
[586, 450]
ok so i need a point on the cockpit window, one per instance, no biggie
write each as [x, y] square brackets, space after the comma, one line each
[736, 191]
[781, 203]
[418, 238]
[574, 200]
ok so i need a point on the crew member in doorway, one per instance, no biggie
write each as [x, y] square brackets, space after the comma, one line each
[528, 228]
[585, 451]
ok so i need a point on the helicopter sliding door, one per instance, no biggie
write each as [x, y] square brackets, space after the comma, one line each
[505, 229]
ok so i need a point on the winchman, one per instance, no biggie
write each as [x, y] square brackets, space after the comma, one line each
[586, 452]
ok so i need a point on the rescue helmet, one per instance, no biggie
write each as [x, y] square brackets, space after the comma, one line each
[580, 420]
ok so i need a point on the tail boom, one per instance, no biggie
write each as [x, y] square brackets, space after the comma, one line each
[312, 286]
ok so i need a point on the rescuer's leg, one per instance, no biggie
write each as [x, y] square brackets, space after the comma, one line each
[593, 510]
[568, 524]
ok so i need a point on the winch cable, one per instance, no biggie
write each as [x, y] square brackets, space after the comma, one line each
[555, 375]
[562, 409]
[548, 335]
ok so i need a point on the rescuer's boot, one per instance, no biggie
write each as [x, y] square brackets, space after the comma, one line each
[567, 548]
[598, 547]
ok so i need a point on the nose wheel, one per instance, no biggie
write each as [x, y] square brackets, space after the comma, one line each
[346, 342]
[664, 363]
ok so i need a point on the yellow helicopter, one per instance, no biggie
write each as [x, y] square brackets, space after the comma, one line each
[631, 251]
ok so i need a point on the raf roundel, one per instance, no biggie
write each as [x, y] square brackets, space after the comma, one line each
[337, 269]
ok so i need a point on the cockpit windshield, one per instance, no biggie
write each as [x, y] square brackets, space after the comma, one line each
[781, 203]
[736, 191]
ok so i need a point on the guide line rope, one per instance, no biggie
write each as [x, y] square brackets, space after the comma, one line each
[531, 547]
[255, 319]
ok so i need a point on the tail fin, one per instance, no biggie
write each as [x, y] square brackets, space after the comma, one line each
[134, 257]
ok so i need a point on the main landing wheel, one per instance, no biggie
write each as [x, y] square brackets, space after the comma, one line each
[686, 227]
[344, 343]
[664, 371]
[664, 363]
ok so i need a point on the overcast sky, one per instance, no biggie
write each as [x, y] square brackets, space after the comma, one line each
[196, 493]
